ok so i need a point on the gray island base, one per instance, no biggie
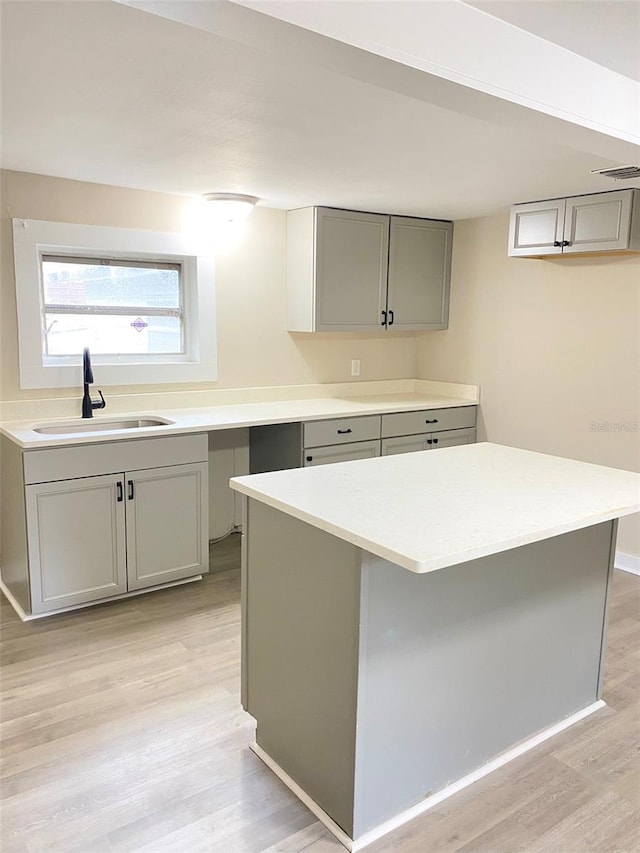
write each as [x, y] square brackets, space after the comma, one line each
[379, 691]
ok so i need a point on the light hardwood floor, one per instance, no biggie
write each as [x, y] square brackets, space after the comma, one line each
[122, 731]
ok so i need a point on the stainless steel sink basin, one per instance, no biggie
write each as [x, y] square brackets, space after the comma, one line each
[100, 425]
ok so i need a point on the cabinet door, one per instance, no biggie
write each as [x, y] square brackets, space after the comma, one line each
[351, 270]
[537, 228]
[598, 222]
[341, 453]
[167, 524]
[406, 444]
[427, 441]
[419, 273]
[452, 438]
[76, 538]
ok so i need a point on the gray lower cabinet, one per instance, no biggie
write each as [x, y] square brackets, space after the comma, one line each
[598, 222]
[427, 441]
[341, 453]
[357, 271]
[76, 541]
[279, 446]
[106, 519]
[167, 533]
[340, 440]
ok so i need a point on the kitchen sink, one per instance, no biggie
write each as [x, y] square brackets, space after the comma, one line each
[100, 425]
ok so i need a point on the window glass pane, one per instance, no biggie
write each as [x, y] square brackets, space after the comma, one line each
[67, 282]
[106, 334]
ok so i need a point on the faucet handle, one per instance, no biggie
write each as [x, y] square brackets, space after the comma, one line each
[99, 404]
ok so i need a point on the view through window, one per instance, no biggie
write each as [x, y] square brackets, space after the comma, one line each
[117, 307]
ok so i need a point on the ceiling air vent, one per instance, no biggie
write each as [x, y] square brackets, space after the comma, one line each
[619, 173]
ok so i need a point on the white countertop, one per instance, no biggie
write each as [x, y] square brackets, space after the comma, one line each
[429, 510]
[229, 417]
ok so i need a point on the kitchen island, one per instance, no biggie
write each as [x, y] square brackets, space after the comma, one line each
[411, 623]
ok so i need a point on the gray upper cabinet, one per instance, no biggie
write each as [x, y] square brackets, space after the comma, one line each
[419, 273]
[352, 252]
[601, 222]
[355, 271]
[537, 228]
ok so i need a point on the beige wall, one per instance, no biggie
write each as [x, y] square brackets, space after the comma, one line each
[254, 348]
[554, 345]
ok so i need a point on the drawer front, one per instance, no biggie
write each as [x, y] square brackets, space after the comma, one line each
[341, 431]
[341, 453]
[428, 420]
[91, 460]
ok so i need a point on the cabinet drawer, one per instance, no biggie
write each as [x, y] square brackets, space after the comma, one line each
[341, 430]
[91, 460]
[428, 420]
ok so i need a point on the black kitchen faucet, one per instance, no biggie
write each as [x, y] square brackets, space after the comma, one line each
[88, 405]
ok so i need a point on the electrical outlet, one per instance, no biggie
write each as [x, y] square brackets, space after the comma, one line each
[355, 367]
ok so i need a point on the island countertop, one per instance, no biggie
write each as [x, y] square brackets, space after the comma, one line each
[433, 509]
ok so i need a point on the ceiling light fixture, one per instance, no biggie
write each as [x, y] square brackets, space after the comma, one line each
[215, 222]
[230, 207]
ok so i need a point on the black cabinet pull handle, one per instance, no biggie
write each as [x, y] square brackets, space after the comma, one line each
[309, 458]
[557, 243]
[566, 243]
[429, 441]
[384, 318]
[131, 492]
[390, 317]
[435, 440]
[344, 431]
[119, 492]
[434, 421]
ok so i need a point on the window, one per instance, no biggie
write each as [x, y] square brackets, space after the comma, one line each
[142, 304]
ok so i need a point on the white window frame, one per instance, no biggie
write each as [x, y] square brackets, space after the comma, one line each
[34, 238]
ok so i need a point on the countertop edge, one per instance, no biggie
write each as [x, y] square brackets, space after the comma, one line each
[425, 566]
[236, 416]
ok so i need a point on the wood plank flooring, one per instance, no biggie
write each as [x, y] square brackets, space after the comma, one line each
[121, 730]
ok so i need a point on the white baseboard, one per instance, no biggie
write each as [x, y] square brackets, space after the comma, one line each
[627, 563]
[24, 617]
[29, 617]
[428, 803]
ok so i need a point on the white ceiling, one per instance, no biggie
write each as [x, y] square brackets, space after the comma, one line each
[227, 98]
[605, 31]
